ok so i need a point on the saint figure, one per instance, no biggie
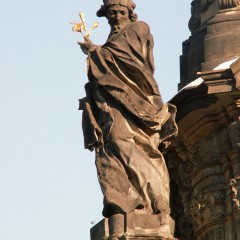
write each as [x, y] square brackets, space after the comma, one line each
[124, 118]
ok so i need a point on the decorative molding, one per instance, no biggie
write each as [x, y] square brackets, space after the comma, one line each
[195, 20]
[235, 67]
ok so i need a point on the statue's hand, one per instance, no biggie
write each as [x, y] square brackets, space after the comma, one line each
[86, 45]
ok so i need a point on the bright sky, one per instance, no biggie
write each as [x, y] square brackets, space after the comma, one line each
[48, 182]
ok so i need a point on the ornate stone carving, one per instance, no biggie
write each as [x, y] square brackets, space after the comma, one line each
[233, 137]
[195, 20]
[197, 7]
[125, 119]
[207, 166]
[204, 177]
[235, 191]
[184, 171]
[206, 208]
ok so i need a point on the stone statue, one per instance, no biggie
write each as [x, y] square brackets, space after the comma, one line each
[124, 118]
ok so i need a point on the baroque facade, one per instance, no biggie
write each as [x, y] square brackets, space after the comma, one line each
[204, 160]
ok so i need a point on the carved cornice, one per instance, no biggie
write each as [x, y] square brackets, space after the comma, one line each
[235, 67]
[207, 107]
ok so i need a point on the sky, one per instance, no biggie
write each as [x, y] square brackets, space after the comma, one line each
[48, 183]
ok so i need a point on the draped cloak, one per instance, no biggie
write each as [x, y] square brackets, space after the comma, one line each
[125, 120]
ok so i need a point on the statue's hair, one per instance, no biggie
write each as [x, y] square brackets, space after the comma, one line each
[102, 12]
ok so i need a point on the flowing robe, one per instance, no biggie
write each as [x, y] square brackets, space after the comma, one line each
[224, 4]
[125, 120]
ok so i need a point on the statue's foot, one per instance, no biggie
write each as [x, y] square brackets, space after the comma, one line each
[167, 225]
[161, 205]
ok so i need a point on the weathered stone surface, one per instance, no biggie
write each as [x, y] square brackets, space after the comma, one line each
[214, 38]
[192, 57]
[116, 226]
[235, 67]
[161, 225]
[125, 121]
[135, 226]
[206, 155]
[204, 161]
[224, 4]
[222, 40]
[201, 12]
[100, 231]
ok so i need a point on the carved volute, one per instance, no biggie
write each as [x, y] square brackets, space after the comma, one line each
[195, 20]
[204, 10]
[201, 12]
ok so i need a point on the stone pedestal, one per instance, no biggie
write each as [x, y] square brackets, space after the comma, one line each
[134, 226]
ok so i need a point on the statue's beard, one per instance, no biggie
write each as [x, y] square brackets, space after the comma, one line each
[118, 25]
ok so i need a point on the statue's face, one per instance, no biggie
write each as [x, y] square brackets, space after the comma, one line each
[118, 16]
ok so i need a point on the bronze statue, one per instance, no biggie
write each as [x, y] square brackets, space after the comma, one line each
[124, 118]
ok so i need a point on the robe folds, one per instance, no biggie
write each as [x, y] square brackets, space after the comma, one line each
[125, 120]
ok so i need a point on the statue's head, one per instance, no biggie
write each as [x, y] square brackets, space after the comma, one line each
[118, 12]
